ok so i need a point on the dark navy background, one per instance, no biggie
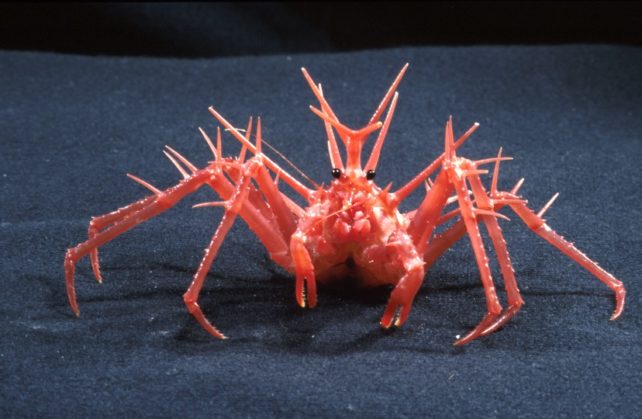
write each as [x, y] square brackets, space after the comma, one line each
[262, 28]
[72, 126]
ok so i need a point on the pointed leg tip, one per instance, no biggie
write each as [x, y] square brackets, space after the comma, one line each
[620, 296]
[385, 323]
[466, 339]
[460, 342]
[217, 334]
[617, 312]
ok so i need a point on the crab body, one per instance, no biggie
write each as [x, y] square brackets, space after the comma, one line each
[350, 231]
[352, 228]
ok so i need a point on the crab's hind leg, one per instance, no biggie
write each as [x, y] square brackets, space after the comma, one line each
[515, 301]
[536, 223]
[232, 208]
[157, 204]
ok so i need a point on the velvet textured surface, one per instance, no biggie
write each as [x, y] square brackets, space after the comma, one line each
[71, 127]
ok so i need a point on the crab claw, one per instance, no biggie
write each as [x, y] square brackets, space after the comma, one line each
[306, 291]
[306, 284]
[401, 299]
[395, 313]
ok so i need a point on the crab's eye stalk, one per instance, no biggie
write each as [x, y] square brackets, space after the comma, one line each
[336, 173]
[370, 174]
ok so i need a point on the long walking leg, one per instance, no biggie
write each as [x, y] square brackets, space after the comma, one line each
[457, 173]
[160, 203]
[99, 223]
[232, 209]
[536, 223]
[515, 301]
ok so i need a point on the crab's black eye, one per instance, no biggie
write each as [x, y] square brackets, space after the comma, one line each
[370, 174]
[336, 173]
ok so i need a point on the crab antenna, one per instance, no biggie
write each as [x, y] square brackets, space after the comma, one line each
[376, 149]
[384, 102]
[493, 183]
[292, 165]
[333, 148]
[287, 178]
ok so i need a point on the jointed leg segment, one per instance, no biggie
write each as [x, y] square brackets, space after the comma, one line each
[232, 209]
[133, 217]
